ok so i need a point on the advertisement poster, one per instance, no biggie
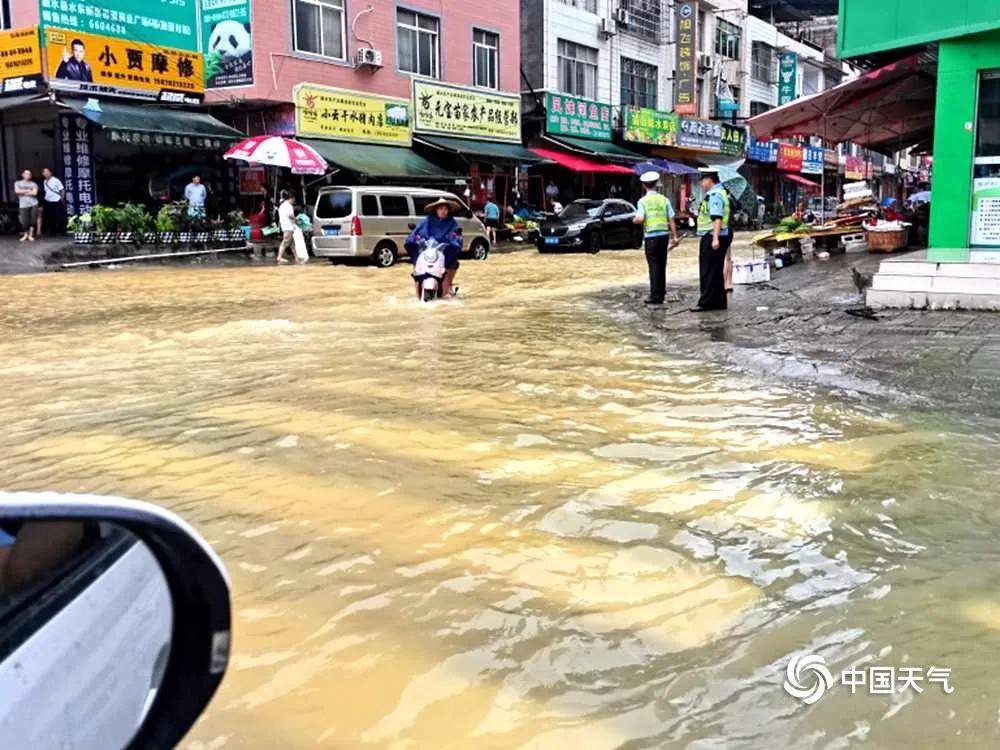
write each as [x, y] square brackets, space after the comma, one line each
[685, 15]
[443, 109]
[160, 23]
[345, 115]
[789, 158]
[20, 61]
[734, 140]
[76, 149]
[699, 134]
[251, 180]
[812, 160]
[764, 151]
[855, 168]
[788, 65]
[985, 212]
[227, 44]
[651, 126]
[89, 64]
[580, 118]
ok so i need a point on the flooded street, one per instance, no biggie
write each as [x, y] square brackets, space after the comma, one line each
[518, 520]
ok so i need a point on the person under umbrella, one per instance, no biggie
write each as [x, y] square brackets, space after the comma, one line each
[440, 226]
[656, 214]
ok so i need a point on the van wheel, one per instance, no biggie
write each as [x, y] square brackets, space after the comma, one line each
[480, 249]
[384, 255]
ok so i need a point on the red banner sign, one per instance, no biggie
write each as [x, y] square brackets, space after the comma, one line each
[789, 158]
[855, 168]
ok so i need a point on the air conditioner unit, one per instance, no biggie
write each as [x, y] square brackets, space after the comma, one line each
[622, 17]
[608, 27]
[705, 61]
[368, 57]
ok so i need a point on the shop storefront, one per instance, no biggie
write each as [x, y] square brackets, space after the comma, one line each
[475, 133]
[656, 131]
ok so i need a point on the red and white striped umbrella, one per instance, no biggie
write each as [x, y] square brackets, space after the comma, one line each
[276, 151]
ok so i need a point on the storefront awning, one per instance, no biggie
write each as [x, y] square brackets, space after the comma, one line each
[887, 109]
[800, 180]
[376, 161]
[606, 149]
[579, 163]
[12, 102]
[489, 149]
[157, 122]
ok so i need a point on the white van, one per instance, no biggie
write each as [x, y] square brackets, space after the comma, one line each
[374, 222]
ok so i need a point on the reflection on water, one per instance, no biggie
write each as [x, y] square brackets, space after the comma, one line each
[512, 521]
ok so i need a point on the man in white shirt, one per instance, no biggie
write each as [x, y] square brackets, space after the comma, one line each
[53, 204]
[286, 222]
[195, 194]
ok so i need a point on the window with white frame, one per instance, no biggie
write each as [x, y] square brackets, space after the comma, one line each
[417, 43]
[319, 27]
[810, 80]
[727, 39]
[588, 5]
[485, 58]
[762, 62]
[577, 69]
[638, 84]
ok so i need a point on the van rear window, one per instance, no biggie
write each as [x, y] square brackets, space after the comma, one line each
[336, 205]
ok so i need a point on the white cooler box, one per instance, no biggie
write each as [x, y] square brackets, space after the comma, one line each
[854, 243]
[751, 272]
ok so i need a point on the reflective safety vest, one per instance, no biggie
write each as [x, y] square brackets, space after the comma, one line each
[705, 218]
[656, 207]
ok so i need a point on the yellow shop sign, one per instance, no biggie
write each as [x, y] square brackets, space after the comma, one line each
[344, 115]
[462, 112]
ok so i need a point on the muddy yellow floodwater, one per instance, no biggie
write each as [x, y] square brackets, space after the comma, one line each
[520, 520]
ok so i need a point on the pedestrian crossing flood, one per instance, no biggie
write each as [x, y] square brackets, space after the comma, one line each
[515, 521]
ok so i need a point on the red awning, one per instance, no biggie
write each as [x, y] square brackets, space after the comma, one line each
[579, 163]
[890, 108]
[800, 180]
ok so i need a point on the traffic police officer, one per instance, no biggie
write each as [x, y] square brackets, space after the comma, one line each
[716, 237]
[657, 217]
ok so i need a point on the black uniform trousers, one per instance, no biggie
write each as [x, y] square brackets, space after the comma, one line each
[656, 259]
[712, 265]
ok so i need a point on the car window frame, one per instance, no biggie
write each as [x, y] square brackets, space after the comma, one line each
[407, 213]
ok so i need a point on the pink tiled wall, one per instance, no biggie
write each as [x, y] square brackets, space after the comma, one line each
[278, 68]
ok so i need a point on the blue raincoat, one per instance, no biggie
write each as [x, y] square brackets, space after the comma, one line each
[445, 231]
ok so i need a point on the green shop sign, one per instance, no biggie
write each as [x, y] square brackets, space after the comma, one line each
[734, 140]
[580, 118]
[788, 71]
[227, 43]
[162, 23]
[652, 126]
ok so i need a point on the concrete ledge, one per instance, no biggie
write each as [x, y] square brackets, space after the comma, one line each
[882, 299]
[941, 284]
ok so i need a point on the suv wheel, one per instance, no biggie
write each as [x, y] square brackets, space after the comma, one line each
[594, 243]
[480, 249]
[384, 255]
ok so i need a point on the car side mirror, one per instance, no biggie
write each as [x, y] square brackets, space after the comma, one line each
[114, 622]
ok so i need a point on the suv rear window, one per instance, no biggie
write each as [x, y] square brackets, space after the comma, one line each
[336, 205]
[395, 205]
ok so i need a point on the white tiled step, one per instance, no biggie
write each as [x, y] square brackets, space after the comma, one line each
[904, 267]
[880, 298]
[936, 283]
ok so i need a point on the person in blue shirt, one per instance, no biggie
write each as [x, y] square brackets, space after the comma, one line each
[492, 213]
[440, 226]
[195, 194]
[716, 237]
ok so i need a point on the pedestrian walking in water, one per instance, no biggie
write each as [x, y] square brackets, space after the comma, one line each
[656, 214]
[286, 222]
[716, 237]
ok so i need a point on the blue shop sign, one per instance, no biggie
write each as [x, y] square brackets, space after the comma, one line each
[765, 151]
[812, 160]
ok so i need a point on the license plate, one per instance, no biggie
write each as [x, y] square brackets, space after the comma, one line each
[331, 231]
[551, 240]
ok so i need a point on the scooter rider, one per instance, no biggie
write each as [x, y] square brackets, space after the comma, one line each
[441, 227]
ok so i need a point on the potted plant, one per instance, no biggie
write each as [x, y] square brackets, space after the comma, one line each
[167, 224]
[82, 228]
[106, 223]
[237, 223]
[199, 227]
[220, 233]
[133, 223]
[185, 222]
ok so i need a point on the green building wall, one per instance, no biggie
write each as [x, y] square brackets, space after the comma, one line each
[960, 61]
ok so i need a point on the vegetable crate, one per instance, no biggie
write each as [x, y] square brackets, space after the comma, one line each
[886, 242]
